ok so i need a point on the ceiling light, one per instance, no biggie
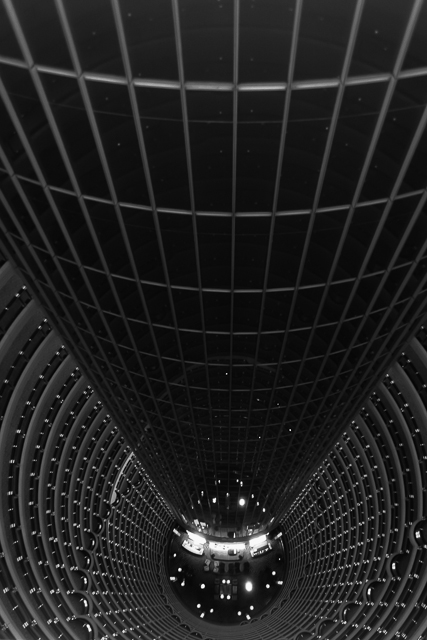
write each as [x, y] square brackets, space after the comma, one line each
[256, 541]
[196, 538]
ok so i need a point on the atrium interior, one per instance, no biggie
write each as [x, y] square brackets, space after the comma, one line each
[213, 319]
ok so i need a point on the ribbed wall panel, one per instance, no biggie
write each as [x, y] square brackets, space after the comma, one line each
[223, 213]
[83, 529]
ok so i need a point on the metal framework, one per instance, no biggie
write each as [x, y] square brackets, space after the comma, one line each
[83, 530]
[223, 214]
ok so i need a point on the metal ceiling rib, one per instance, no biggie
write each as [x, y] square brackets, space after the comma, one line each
[364, 390]
[392, 84]
[299, 85]
[104, 162]
[220, 214]
[39, 172]
[361, 390]
[103, 158]
[180, 60]
[327, 151]
[231, 372]
[181, 398]
[292, 58]
[115, 407]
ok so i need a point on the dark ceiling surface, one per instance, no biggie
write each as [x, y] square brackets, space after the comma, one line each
[221, 205]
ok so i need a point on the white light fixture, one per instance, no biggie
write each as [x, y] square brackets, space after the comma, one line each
[242, 502]
[257, 541]
[202, 586]
[196, 538]
[248, 585]
[237, 546]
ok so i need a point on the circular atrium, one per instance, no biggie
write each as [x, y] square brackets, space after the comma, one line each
[213, 319]
[225, 582]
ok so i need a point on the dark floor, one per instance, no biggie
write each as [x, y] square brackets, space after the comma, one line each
[188, 574]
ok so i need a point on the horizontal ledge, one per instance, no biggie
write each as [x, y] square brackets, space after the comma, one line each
[225, 214]
[195, 85]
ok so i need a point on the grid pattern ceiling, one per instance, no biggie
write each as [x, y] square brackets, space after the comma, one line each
[221, 205]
